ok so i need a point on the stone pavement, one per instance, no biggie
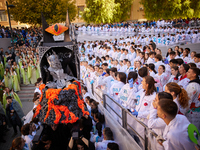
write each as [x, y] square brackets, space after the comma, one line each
[27, 106]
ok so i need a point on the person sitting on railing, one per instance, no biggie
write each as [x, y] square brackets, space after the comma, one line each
[176, 131]
[108, 138]
[155, 123]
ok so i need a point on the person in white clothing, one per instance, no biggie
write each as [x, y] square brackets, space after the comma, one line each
[183, 80]
[156, 123]
[158, 61]
[85, 92]
[176, 131]
[108, 138]
[193, 90]
[151, 58]
[152, 71]
[128, 88]
[107, 81]
[37, 88]
[197, 60]
[26, 131]
[180, 97]
[144, 102]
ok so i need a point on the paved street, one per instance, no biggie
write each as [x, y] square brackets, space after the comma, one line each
[28, 105]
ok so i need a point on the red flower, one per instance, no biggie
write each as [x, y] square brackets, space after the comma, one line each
[145, 104]
[116, 93]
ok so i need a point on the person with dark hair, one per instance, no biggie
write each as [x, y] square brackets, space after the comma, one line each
[26, 131]
[142, 72]
[144, 101]
[97, 135]
[192, 65]
[193, 90]
[197, 60]
[112, 146]
[43, 144]
[85, 92]
[107, 81]
[185, 57]
[80, 143]
[182, 79]
[128, 90]
[152, 70]
[173, 62]
[175, 135]
[155, 123]
[116, 87]
[158, 60]
[37, 85]
[19, 144]
[151, 58]
[180, 96]
[14, 113]
[108, 138]
[180, 61]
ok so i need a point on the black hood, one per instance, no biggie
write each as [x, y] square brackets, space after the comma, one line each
[195, 80]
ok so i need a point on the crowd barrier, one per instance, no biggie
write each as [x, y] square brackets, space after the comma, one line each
[144, 136]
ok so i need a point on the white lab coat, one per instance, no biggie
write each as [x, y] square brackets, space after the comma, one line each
[176, 135]
[158, 125]
[157, 64]
[114, 93]
[143, 106]
[183, 82]
[124, 94]
[107, 81]
[150, 60]
[193, 115]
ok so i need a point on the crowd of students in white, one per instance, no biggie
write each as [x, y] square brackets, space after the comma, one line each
[161, 34]
[162, 92]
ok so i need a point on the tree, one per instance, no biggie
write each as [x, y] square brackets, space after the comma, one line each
[100, 11]
[29, 11]
[124, 10]
[168, 9]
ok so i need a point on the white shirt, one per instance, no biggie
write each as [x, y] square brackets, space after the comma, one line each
[37, 90]
[115, 89]
[176, 134]
[157, 64]
[150, 60]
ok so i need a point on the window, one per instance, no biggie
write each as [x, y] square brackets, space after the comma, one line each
[3, 16]
[80, 9]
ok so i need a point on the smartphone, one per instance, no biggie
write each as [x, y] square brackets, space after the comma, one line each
[75, 135]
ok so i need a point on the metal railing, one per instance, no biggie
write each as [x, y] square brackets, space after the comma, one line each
[130, 123]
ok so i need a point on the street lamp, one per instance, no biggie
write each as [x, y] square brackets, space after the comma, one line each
[9, 20]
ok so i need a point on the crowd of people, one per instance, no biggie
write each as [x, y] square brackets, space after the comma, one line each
[163, 92]
[162, 32]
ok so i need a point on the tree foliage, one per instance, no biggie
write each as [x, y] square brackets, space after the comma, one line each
[170, 9]
[29, 11]
[100, 11]
[124, 10]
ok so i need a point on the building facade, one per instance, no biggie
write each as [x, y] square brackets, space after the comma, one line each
[137, 13]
